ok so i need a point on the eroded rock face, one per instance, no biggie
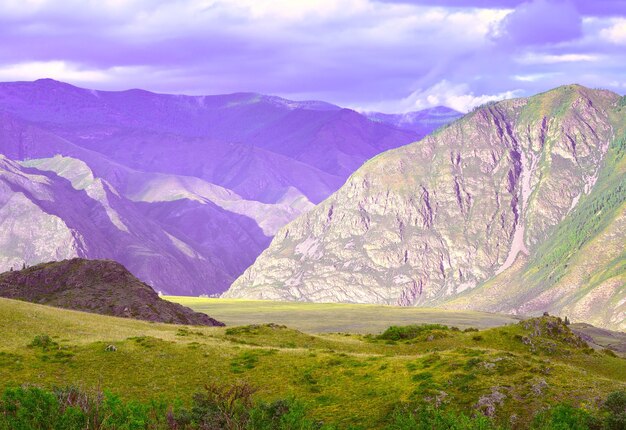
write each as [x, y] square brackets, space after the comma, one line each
[425, 222]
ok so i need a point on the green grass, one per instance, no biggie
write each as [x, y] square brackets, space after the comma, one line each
[342, 379]
[335, 317]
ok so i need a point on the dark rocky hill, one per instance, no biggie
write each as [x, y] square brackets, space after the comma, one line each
[98, 286]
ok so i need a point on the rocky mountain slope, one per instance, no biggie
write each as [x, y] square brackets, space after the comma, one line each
[97, 286]
[494, 208]
[187, 191]
[51, 209]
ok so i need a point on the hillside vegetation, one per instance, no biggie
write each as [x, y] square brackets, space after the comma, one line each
[506, 374]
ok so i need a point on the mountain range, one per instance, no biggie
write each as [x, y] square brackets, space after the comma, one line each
[185, 191]
[518, 207]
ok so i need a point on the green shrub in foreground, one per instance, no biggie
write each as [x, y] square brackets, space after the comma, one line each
[429, 418]
[565, 417]
[218, 407]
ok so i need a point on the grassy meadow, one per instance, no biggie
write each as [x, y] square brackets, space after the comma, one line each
[348, 380]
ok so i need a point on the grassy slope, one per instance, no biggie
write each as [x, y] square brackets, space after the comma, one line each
[346, 379]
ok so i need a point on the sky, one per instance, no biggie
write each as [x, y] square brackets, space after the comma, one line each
[385, 55]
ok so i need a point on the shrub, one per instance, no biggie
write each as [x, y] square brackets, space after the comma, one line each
[609, 352]
[28, 408]
[282, 415]
[615, 404]
[217, 407]
[395, 333]
[223, 406]
[564, 417]
[429, 418]
[44, 342]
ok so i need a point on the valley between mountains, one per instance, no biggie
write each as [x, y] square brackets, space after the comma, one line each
[185, 191]
[370, 271]
[517, 207]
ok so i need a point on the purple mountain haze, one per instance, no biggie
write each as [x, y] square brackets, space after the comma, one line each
[186, 191]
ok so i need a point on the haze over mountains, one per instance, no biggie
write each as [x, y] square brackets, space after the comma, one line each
[519, 207]
[185, 191]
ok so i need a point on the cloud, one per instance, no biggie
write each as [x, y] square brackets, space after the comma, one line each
[535, 76]
[540, 22]
[350, 52]
[585, 7]
[59, 70]
[534, 58]
[616, 33]
[443, 93]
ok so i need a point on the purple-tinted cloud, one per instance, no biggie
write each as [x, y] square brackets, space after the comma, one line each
[540, 22]
[361, 53]
[585, 7]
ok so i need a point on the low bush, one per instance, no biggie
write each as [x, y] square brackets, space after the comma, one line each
[565, 417]
[43, 342]
[430, 418]
[407, 332]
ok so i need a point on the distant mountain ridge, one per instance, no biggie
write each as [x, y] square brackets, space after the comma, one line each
[185, 191]
[238, 141]
[421, 122]
[520, 206]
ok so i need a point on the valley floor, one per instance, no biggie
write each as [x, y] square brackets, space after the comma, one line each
[335, 317]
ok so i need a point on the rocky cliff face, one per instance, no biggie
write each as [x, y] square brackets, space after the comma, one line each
[97, 286]
[421, 224]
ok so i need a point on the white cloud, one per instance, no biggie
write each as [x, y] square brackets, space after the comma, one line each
[616, 33]
[534, 77]
[290, 10]
[63, 71]
[534, 58]
[444, 93]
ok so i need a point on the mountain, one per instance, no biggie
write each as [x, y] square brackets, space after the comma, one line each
[261, 147]
[52, 209]
[518, 207]
[97, 286]
[187, 190]
[422, 122]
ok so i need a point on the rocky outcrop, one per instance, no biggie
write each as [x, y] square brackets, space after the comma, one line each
[424, 223]
[98, 286]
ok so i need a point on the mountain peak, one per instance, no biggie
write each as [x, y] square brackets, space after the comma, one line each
[52, 83]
